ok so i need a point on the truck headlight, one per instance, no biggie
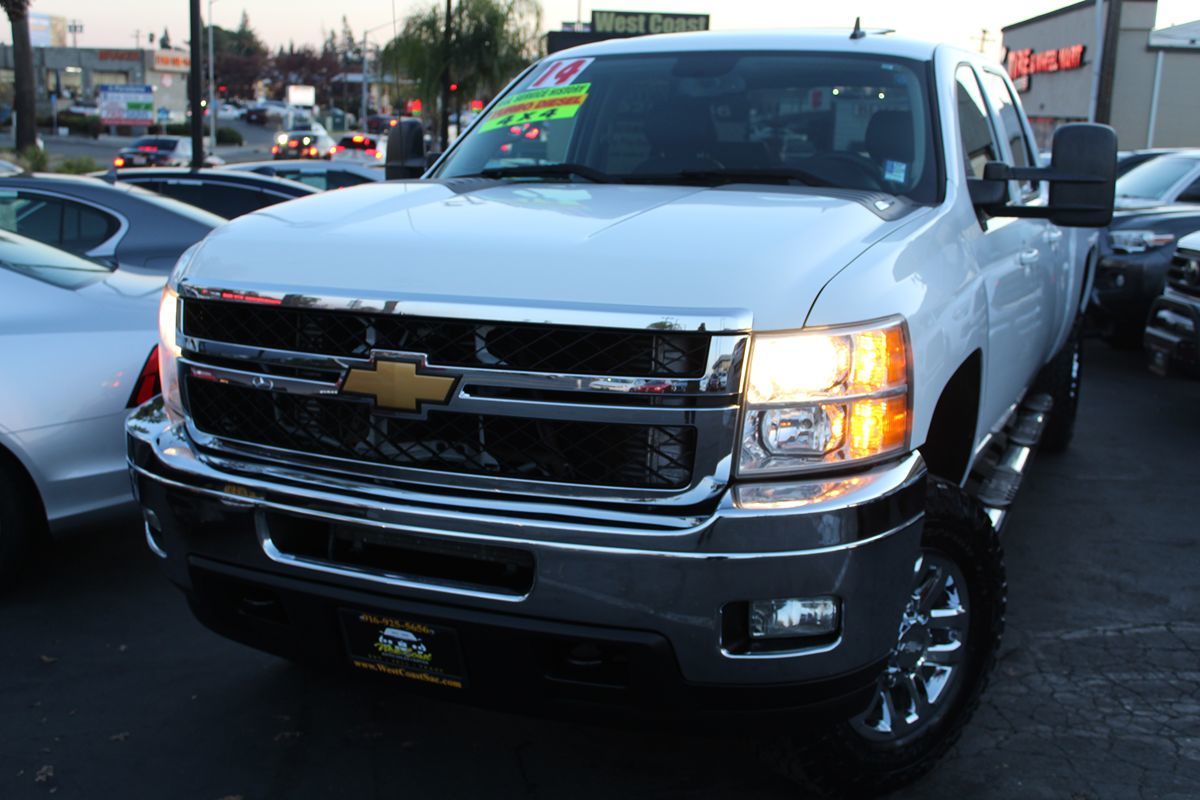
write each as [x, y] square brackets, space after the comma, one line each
[1138, 241]
[168, 332]
[823, 397]
[168, 350]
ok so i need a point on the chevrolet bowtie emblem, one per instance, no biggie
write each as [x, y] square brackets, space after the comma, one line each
[399, 385]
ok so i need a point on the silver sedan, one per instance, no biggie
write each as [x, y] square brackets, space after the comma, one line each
[77, 342]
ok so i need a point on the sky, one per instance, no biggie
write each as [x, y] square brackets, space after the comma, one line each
[278, 22]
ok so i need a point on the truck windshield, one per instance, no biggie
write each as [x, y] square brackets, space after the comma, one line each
[712, 118]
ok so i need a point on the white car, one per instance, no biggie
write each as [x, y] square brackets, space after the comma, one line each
[228, 111]
[62, 453]
[848, 340]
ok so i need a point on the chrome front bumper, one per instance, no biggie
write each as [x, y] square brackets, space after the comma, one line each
[855, 538]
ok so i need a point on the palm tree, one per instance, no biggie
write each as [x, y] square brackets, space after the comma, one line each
[23, 102]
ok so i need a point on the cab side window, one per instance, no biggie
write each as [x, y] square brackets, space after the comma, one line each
[1010, 120]
[56, 221]
[979, 144]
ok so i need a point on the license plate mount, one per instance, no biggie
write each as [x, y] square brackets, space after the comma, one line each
[401, 647]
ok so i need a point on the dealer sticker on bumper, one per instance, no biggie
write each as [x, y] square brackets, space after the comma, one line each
[403, 648]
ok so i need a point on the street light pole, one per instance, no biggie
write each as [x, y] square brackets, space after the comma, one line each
[212, 97]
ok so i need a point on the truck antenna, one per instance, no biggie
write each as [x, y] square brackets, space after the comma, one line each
[858, 32]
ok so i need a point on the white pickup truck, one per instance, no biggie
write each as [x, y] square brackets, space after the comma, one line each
[694, 379]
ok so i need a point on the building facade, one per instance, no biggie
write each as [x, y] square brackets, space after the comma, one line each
[74, 73]
[1054, 61]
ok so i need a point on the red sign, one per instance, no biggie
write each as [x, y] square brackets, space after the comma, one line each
[1026, 62]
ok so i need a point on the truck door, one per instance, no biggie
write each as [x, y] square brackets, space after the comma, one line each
[1053, 269]
[1009, 251]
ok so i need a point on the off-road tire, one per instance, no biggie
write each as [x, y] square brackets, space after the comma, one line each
[841, 763]
[1061, 379]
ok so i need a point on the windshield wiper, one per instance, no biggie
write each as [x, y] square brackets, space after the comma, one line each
[546, 171]
[720, 177]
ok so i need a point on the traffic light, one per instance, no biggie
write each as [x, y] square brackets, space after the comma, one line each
[454, 87]
[222, 89]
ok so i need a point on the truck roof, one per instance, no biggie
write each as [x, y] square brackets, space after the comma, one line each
[837, 41]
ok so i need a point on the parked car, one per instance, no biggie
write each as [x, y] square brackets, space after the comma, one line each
[1128, 159]
[382, 444]
[62, 453]
[114, 222]
[1173, 178]
[257, 115]
[84, 108]
[367, 148]
[320, 175]
[223, 192]
[228, 111]
[379, 123]
[160, 151]
[304, 142]
[1172, 337]
[1132, 257]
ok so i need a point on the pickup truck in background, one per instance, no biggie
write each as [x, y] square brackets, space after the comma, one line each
[696, 378]
[1172, 337]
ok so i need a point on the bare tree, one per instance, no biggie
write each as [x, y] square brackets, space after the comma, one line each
[23, 101]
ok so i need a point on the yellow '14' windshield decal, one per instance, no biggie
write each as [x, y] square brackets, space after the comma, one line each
[537, 105]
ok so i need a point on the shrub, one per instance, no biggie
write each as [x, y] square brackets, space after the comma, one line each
[78, 165]
[78, 123]
[229, 136]
[33, 159]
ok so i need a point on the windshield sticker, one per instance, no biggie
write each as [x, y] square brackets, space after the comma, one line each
[895, 171]
[561, 73]
[537, 105]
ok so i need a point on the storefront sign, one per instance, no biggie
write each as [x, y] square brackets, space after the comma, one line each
[171, 61]
[127, 104]
[635, 23]
[1026, 62]
[120, 55]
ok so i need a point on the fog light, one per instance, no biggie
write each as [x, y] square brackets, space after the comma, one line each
[793, 617]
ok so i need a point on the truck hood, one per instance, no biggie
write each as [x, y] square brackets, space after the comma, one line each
[747, 253]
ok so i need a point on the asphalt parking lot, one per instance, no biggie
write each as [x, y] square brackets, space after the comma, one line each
[108, 688]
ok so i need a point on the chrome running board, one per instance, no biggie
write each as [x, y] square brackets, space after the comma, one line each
[999, 470]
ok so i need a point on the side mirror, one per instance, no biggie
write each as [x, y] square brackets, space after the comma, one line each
[1089, 151]
[1082, 177]
[405, 151]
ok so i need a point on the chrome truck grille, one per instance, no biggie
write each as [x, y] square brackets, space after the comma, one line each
[1184, 272]
[636, 415]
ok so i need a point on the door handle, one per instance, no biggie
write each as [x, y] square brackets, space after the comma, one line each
[1053, 234]
[1028, 257]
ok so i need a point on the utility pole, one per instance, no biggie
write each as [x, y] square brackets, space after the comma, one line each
[137, 38]
[444, 117]
[75, 27]
[212, 89]
[985, 38]
[194, 86]
[1108, 63]
[362, 119]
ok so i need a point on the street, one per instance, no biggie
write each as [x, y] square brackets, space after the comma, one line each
[256, 145]
[109, 688]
